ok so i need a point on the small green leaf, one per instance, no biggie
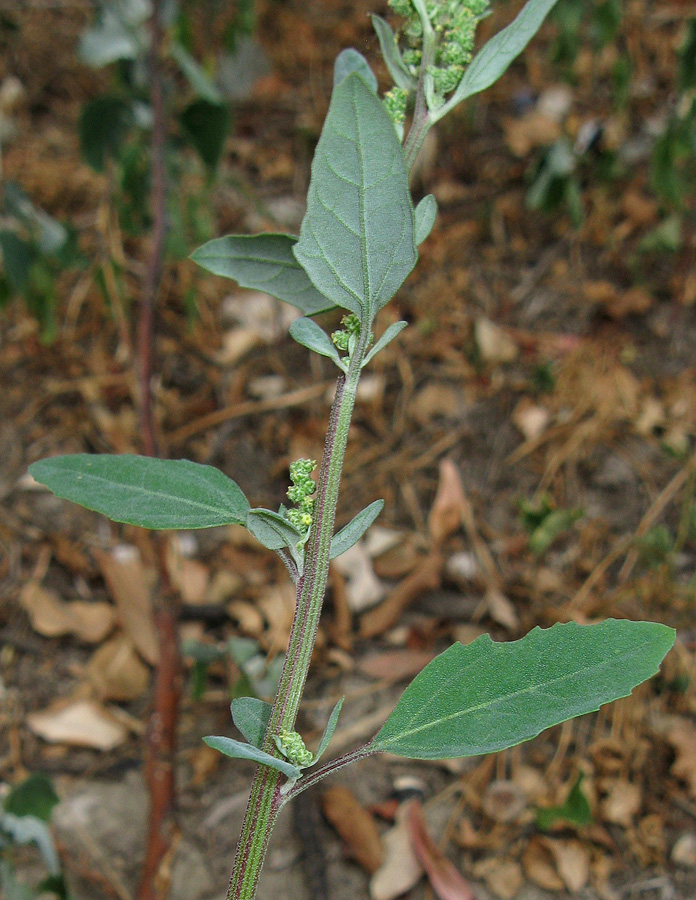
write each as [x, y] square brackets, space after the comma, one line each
[357, 241]
[33, 797]
[328, 731]
[151, 493]
[206, 126]
[355, 529]
[349, 61]
[271, 529]
[195, 75]
[488, 696]
[392, 56]
[30, 830]
[263, 262]
[18, 257]
[388, 336]
[494, 57]
[251, 716]
[239, 750]
[426, 211]
[575, 810]
[115, 36]
[104, 124]
[310, 335]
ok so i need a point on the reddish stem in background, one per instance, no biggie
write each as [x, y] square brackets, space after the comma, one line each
[160, 745]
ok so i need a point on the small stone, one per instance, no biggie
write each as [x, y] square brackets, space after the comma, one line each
[684, 850]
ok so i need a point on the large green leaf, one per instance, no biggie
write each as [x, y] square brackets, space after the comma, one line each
[494, 57]
[34, 796]
[239, 750]
[488, 696]
[138, 490]
[263, 262]
[206, 125]
[357, 239]
[349, 61]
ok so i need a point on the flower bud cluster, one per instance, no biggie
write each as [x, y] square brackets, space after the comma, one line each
[293, 748]
[347, 337]
[300, 492]
[454, 23]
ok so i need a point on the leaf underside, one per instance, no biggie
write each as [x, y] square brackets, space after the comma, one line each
[139, 490]
[357, 241]
[239, 750]
[487, 696]
[251, 716]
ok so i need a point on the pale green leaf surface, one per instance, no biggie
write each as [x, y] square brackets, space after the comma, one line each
[357, 240]
[328, 731]
[139, 490]
[271, 529]
[306, 332]
[263, 262]
[392, 55]
[197, 77]
[494, 57]
[487, 696]
[349, 61]
[426, 211]
[251, 716]
[352, 532]
[393, 331]
[239, 750]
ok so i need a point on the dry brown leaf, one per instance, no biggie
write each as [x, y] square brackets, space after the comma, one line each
[684, 851]
[426, 577]
[52, 617]
[446, 880]
[189, 576]
[622, 803]
[501, 610]
[503, 801]
[530, 418]
[503, 876]
[682, 736]
[82, 723]
[572, 861]
[247, 616]
[363, 588]
[539, 866]
[494, 345]
[355, 824]
[278, 609]
[394, 665]
[445, 516]
[435, 400]
[129, 582]
[116, 672]
[535, 129]
[400, 869]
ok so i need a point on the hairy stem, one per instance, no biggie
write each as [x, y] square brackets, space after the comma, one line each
[266, 799]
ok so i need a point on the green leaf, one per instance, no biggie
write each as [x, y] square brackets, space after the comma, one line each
[195, 75]
[494, 57]
[488, 696]
[310, 335]
[263, 262]
[355, 529]
[575, 810]
[104, 123]
[349, 61]
[271, 529]
[392, 55]
[138, 490]
[206, 125]
[388, 336]
[251, 716]
[33, 797]
[426, 211]
[357, 239]
[328, 731]
[18, 256]
[30, 830]
[239, 750]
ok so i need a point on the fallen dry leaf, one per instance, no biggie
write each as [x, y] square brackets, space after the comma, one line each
[684, 850]
[622, 803]
[394, 665]
[400, 870]
[501, 610]
[535, 129]
[530, 418]
[83, 723]
[129, 582]
[363, 588]
[494, 345]
[503, 876]
[52, 617]
[426, 577]
[682, 736]
[445, 516]
[446, 880]
[539, 866]
[436, 400]
[572, 861]
[116, 672]
[355, 824]
[503, 801]
[189, 576]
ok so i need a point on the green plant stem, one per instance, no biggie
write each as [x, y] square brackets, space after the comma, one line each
[421, 116]
[266, 799]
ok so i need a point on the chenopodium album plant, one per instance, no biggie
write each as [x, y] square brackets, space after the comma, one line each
[358, 243]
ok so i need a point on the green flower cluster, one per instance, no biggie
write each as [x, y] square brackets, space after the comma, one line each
[300, 492]
[347, 338]
[293, 748]
[395, 102]
[454, 23]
